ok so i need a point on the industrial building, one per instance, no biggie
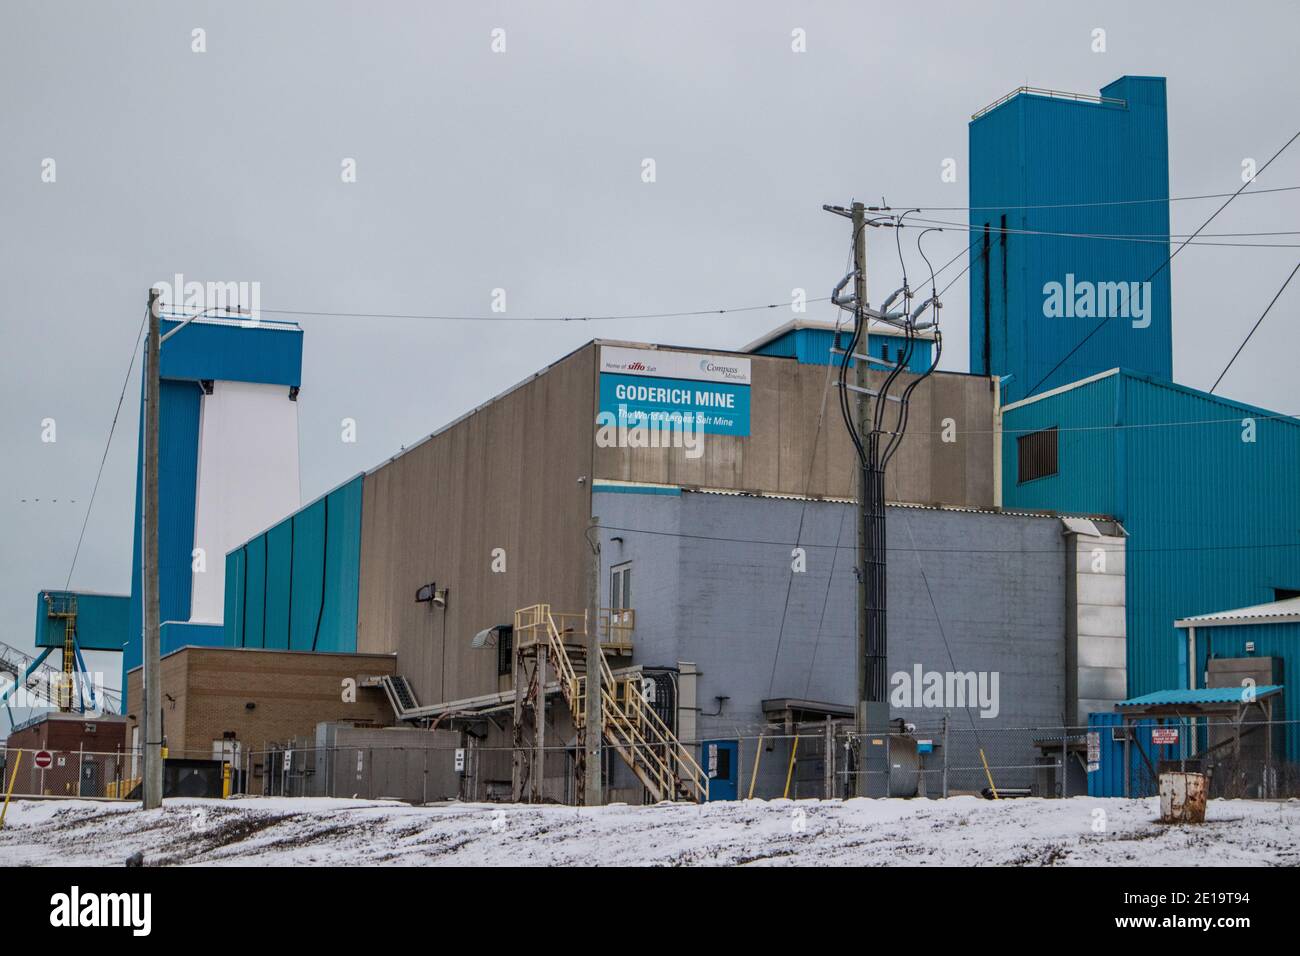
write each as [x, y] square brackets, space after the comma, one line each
[432, 555]
[1057, 520]
[1079, 333]
[228, 466]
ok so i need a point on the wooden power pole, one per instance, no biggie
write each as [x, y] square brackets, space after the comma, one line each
[152, 784]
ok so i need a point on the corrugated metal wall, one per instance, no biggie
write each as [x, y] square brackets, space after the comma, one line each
[295, 586]
[178, 462]
[1085, 481]
[1035, 151]
[1271, 640]
[813, 347]
[1108, 779]
[270, 353]
[1214, 520]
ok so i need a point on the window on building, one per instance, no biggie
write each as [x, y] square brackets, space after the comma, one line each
[884, 351]
[505, 650]
[620, 592]
[1037, 454]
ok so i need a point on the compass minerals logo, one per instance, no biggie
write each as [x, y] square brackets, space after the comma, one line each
[77, 909]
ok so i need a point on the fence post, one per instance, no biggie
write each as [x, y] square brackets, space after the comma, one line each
[828, 760]
[1065, 763]
[945, 756]
[81, 765]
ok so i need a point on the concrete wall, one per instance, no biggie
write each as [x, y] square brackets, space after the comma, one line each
[517, 474]
[514, 474]
[786, 453]
[705, 590]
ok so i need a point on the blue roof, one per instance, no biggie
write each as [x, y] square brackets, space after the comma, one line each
[1201, 695]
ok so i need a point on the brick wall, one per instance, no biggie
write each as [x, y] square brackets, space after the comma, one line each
[207, 691]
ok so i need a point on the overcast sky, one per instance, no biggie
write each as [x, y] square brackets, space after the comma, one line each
[522, 170]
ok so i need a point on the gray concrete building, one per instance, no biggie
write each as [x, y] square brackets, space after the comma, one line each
[718, 487]
[750, 600]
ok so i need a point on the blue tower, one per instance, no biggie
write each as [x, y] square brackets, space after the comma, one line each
[1047, 309]
[227, 468]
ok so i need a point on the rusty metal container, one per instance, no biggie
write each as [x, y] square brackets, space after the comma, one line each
[1182, 797]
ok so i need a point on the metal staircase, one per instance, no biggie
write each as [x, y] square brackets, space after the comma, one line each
[400, 695]
[628, 723]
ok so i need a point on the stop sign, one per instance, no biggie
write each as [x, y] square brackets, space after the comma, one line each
[43, 759]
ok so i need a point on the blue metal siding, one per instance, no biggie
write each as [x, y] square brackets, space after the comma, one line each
[1214, 522]
[232, 353]
[1271, 640]
[813, 347]
[1108, 779]
[296, 585]
[102, 621]
[1085, 480]
[178, 462]
[1036, 151]
[173, 635]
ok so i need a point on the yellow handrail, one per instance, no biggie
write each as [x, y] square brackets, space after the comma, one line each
[641, 730]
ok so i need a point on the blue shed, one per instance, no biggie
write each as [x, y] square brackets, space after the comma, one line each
[1260, 632]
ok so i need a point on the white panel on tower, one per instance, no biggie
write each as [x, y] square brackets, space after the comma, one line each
[248, 479]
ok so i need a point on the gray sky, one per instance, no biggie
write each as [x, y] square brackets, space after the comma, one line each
[522, 170]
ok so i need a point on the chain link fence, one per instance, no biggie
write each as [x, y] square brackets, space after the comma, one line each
[1252, 760]
[67, 773]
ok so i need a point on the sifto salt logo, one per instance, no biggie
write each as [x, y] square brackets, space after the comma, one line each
[665, 363]
[76, 909]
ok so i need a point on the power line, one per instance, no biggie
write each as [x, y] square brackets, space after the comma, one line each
[1253, 328]
[1164, 264]
[1247, 413]
[532, 318]
[1146, 239]
[786, 544]
[107, 444]
[1110, 202]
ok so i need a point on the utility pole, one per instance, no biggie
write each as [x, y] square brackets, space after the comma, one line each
[152, 785]
[591, 739]
[873, 709]
[870, 431]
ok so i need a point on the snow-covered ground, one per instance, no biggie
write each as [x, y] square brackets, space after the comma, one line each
[958, 831]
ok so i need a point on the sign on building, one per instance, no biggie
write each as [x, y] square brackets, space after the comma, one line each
[1164, 735]
[656, 386]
